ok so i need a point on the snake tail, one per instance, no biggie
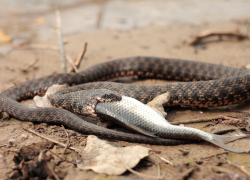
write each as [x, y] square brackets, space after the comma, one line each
[221, 140]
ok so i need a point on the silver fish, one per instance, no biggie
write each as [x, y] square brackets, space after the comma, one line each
[141, 118]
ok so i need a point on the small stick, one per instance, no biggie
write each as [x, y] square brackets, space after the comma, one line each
[2, 125]
[41, 46]
[186, 173]
[52, 171]
[198, 39]
[54, 141]
[79, 58]
[221, 170]
[73, 66]
[216, 154]
[247, 27]
[137, 173]
[159, 169]
[61, 157]
[3, 145]
[60, 38]
[154, 151]
[196, 120]
[241, 168]
[30, 66]
[165, 160]
[100, 15]
[67, 145]
[140, 174]
[51, 47]
[41, 158]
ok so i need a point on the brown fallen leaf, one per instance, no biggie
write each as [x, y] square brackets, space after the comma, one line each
[44, 101]
[109, 159]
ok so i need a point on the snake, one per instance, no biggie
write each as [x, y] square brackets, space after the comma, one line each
[207, 85]
[132, 114]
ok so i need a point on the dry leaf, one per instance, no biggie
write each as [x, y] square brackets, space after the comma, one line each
[4, 37]
[42, 102]
[108, 159]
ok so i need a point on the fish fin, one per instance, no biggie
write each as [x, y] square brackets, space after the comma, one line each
[221, 140]
[142, 131]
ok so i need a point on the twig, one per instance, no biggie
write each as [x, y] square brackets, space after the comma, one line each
[247, 27]
[216, 154]
[154, 151]
[100, 15]
[2, 125]
[137, 173]
[194, 121]
[40, 46]
[52, 171]
[4, 145]
[50, 47]
[54, 141]
[165, 160]
[140, 174]
[184, 151]
[61, 157]
[30, 66]
[159, 169]
[241, 168]
[67, 145]
[186, 173]
[60, 37]
[73, 66]
[79, 58]
[198, 39]
[227, 131]
[41, 158]
[204, 120]
[221, 170]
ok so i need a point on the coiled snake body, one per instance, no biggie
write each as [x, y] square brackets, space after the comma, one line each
[221, 85]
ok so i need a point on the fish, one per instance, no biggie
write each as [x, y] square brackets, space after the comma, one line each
[134, 115]
[139, 117]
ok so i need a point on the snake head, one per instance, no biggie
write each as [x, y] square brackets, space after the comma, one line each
[104, 95]
[109, 97]
[101, 95]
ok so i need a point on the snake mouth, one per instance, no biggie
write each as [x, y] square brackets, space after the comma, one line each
[92, 104]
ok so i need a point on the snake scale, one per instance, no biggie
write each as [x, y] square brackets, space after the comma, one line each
[216, 85]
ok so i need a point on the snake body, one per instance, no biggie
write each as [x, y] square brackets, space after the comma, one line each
[221, 86]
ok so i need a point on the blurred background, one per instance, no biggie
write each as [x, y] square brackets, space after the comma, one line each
[115, 29]
[35, 20]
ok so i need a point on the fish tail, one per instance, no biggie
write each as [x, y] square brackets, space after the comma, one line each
[221, 140]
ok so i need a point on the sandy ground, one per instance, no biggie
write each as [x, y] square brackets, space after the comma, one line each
[162, 41]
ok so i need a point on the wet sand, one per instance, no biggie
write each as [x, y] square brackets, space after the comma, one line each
[167, 40]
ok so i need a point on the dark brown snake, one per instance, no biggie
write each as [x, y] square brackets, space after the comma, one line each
[219, 85]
